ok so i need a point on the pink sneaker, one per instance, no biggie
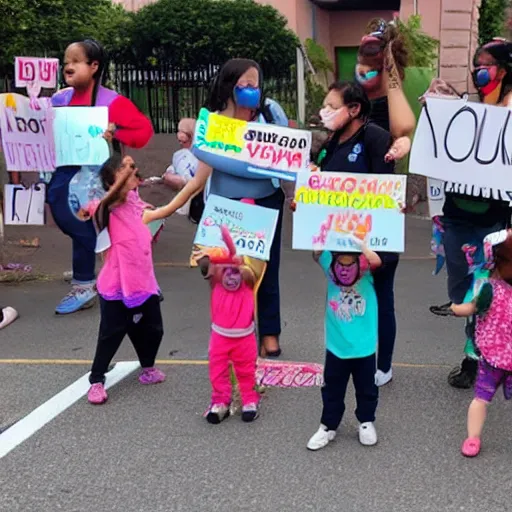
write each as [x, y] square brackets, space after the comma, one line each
[151, 376]
[97, 394]
[471, 447]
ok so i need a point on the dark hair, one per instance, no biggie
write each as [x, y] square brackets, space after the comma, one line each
[109, 170]
[221, 89]
[501, 51]
[503, 259]
[353, 93]
[95, 53]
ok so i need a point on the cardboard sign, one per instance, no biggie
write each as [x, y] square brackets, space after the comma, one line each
[435, 195]
[465, 143]
[35, 73]
[251, 227]
[24, 205]
[78, 134]
[253, 148]
[333, 207]
[27, 137]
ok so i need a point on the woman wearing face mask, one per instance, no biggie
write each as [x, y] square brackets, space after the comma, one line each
[380, 69]
[359, 146]
[236, 93]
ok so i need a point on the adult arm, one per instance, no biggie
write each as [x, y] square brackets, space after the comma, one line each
[377, 142]
[133, 128]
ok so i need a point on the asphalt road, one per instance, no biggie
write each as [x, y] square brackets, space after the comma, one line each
[149, 449]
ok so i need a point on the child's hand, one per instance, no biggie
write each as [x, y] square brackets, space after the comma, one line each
[109, 134]
[357, 242]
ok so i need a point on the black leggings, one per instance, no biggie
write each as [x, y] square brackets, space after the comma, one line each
[143, 325]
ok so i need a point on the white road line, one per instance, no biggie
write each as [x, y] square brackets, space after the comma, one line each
[46, 412]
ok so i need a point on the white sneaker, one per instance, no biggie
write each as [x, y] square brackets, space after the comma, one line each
[367, 434]
[10, 314]
[321, 439]
[381, 378]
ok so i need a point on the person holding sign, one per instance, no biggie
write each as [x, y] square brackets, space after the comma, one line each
[84, 64]
[351, 341]
[359, 146]
[237, 93]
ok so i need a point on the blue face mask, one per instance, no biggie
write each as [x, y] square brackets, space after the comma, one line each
[366, 77]
[247, 97]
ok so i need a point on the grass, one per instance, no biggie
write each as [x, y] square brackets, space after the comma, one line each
[18, 277]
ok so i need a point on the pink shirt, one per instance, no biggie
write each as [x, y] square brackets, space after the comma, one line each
[127, 274]
[494, 329]
[232, 309]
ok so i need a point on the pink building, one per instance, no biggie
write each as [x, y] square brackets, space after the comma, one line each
[339, 24]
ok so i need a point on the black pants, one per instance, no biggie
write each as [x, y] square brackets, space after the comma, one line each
[336, 376]
[143, 325]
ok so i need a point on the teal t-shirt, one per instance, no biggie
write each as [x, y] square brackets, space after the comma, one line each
[351, 317]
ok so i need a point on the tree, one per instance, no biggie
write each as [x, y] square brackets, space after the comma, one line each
[194, 33]
[492, 19]
[423, 49]
[46, 27]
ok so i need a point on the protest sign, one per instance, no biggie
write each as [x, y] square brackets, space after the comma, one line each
[267, 150]
[332, 208]
[35, 73]
[24, 205]
[435, 195]
[251, 227]
[27, 138]
[78, 134]
[466, 143]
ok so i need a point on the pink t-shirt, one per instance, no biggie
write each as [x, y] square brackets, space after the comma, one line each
[127, 274]
[494, 329]
[232, 309]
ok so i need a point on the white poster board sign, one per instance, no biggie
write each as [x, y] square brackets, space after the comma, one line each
[466, 143]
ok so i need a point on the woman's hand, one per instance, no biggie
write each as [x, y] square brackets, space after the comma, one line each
[293, 205]
[109, 134]
[399, 149]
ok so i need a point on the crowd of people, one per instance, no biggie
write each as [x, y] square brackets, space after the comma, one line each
[370, 125]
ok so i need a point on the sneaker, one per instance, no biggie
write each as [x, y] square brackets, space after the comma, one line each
[250, 412]
[381, 378]
[97, 394]
[464, 376]
[217, 413]
[151, 376]
[8, 316]
[80, 297]
[471, 447]
[367, 434]
[321, 438]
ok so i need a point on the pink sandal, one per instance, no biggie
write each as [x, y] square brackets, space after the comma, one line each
[471, 447]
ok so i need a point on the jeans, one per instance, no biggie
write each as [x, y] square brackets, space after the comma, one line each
[143, 325]
[384, 283]
[82, 234]
[269, 307]
[336, 376]
[456, 234]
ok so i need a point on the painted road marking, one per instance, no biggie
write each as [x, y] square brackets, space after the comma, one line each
[38, 418]
[174, 362]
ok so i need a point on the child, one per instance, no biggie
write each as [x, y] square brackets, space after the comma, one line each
[351, 342]
[232, 339]
[72, 187]
[126, 284]
[493, 339]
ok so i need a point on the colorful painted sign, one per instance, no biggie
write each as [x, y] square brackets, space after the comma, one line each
[27, 137]
[251, 227]
[467, 143]
[332, 208]
[288, 374]
[78, 134]
[35, 73]
[251, 148]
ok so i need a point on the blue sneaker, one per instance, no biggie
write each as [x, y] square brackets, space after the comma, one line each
[81, 296]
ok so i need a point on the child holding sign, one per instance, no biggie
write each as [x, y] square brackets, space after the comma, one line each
[351, 341]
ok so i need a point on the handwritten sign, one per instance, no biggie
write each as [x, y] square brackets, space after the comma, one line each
[27, 138]
[35, 73]
[251, 227]
[287, 374]
[334, 207]
[435, 195]
[465, 143]
[254, 148]
[78, 133]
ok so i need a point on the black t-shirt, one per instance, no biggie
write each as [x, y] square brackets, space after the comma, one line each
[380, 112]
[362, 153]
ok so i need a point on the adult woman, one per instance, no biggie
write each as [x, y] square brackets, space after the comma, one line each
[359, 146]
[236, 93]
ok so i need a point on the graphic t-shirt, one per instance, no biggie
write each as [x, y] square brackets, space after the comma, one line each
[350, 313]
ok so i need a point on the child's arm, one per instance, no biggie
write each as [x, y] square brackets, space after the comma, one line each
[316, 255]
[468, 309]
[479, 305]
[373, 258]
[191, 189]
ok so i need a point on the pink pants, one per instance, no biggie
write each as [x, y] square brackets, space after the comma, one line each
[242, 353]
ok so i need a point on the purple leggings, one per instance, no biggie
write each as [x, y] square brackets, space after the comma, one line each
[489, 379]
